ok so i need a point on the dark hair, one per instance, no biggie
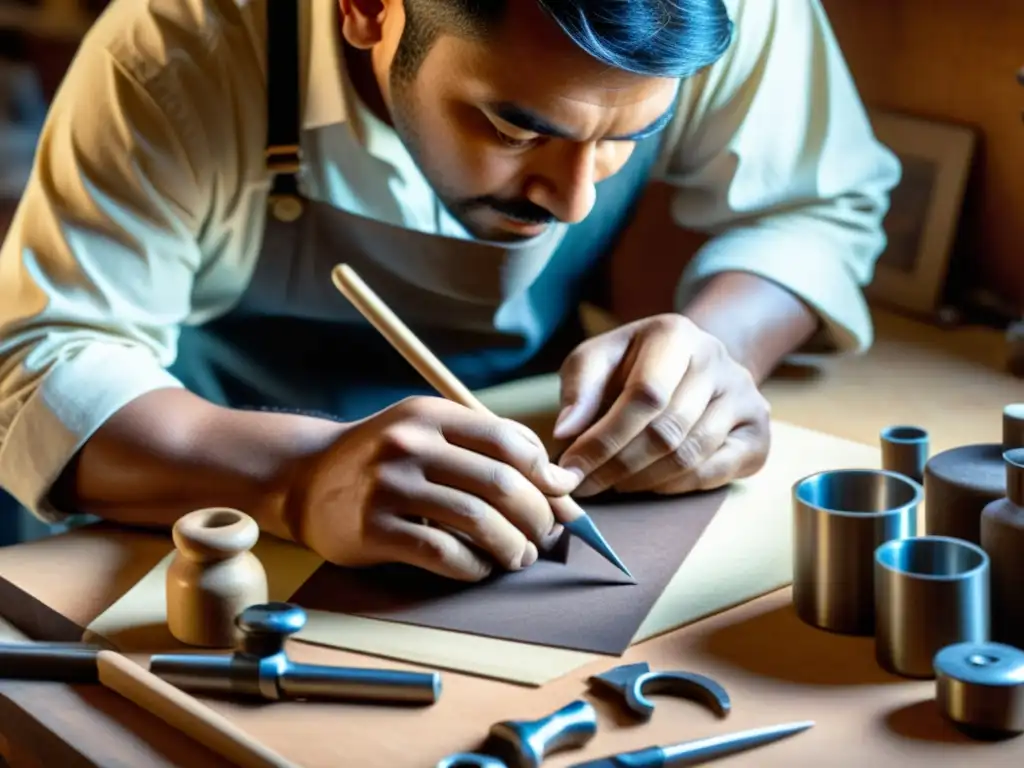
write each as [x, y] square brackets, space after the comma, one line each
[657, 38]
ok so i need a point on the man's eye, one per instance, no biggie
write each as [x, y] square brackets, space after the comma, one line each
[512, 142]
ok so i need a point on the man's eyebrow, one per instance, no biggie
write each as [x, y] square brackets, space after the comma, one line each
[523, 118]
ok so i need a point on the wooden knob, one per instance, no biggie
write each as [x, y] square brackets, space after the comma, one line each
[213, 534]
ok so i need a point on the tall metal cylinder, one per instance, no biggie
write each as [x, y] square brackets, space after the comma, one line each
[1002, 538]
[840, 518]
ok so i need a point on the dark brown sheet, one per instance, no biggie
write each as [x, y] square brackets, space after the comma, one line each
[585, 604]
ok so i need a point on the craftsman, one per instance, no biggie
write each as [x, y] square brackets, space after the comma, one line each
[170, 338]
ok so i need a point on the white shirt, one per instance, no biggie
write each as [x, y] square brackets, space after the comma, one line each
[145, 206]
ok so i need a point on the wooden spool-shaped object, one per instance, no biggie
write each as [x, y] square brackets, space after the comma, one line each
[213, 576]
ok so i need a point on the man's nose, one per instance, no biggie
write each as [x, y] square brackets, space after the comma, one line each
[563, 181]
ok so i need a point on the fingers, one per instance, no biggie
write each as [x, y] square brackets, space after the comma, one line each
[507, 511]
[586, 378]
[654, 377]
[402, 541]
[510, 443]
[740, 456]
[664, 435]
[725, 443]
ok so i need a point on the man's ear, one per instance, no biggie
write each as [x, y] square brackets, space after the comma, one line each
[362, 21]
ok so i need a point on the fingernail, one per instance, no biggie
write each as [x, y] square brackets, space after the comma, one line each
[561, 476]
[530, 555]
[586, 488]
[562, 414]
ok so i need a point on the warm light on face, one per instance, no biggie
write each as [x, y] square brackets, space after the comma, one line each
[514, 133]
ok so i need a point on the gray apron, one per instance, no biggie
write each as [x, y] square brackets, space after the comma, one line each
[491, 311]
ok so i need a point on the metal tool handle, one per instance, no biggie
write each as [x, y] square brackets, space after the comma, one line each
[63, 662]
[313, 681]
[207, 674]
[525, 743]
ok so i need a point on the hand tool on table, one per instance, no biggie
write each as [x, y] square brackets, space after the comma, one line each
[260, 667]
[80, 663]
[635, 681]
[697, 751]
[567, 512]
[525, 743]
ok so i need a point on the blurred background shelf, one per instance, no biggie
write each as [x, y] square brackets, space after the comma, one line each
[59, 19]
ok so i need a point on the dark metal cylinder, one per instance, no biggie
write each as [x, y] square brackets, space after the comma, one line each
[1002, 538]
[930, 592]
[63, 662]
[1014, 460]
[980, 688]
[905, 450]
[1013, 426]
[958, 483]
[840, 518]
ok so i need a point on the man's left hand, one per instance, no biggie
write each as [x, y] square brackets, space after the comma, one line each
[660, 405]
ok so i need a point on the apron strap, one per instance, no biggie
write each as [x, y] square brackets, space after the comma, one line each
[283, 151]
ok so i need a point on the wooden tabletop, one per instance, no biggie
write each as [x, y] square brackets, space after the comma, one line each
[775, 668]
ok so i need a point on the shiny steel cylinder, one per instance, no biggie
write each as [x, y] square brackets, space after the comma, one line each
[208, 674]
[905, 450]
[980, 688]
[308, 681]
[277, 677]
[930, 592]
[840, 518]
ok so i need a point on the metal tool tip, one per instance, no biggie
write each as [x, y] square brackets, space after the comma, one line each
[584, 529]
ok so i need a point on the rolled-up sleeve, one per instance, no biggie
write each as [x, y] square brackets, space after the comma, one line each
[774, 156]
[96, 271]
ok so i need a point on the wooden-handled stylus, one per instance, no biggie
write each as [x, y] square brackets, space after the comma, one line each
[185, 713]
[372, 307]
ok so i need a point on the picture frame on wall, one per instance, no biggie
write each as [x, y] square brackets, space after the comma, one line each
[925, 209]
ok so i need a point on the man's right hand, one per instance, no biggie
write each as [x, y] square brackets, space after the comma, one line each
[482, 481]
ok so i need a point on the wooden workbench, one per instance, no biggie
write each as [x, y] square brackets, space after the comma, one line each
[775, 668]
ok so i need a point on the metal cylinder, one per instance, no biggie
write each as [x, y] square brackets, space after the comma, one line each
[958, 483]
[840, 518]
[905, 450]
[1013, 426]
[980, 688]
[231, 675]
[930, 592]
[1014, 461]
[1002, 538]
[307, 681]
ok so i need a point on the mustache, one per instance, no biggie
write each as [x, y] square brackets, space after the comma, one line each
[519, 210]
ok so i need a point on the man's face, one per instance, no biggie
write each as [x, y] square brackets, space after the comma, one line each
[514, 132]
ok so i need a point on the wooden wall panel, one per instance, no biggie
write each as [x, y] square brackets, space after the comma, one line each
[955, 60]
